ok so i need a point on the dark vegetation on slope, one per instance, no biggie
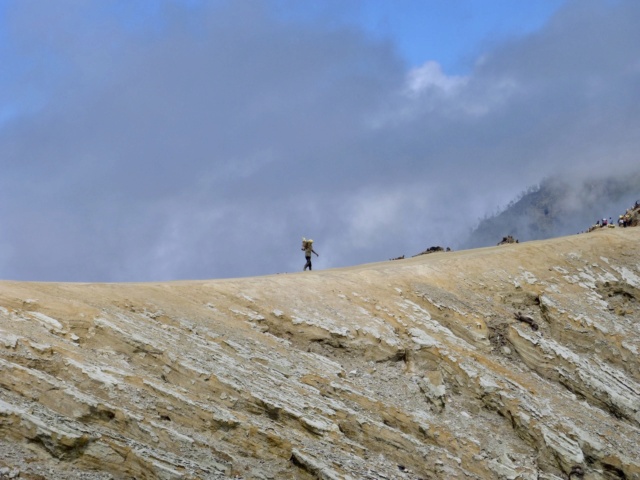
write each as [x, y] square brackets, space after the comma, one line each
[558, 207]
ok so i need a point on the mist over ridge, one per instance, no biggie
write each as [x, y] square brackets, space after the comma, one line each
[558, 206]
[177, 140]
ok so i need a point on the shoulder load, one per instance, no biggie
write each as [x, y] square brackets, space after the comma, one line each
[306, 243]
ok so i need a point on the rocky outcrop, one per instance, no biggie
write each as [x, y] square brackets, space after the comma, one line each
[420, 368]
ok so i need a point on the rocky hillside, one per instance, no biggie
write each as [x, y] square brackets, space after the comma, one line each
[511, 362]
[558, 207]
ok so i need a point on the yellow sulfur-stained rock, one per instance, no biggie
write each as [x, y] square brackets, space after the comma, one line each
[497, 363]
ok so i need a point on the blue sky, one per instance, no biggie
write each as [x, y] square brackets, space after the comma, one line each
[450, 32]
[159, 140]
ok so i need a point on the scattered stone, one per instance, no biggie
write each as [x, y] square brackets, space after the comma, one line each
[526, 319]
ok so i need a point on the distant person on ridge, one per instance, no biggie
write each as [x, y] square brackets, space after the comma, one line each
[307, 246]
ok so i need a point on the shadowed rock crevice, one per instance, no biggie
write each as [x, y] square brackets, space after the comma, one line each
[622, 298]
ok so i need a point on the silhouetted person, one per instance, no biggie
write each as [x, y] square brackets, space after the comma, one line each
[307, 246]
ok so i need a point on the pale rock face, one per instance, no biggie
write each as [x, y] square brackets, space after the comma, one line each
[413, 369]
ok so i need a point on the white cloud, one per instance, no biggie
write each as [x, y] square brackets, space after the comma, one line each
[189, 140]
[372, 214]
[430, 76]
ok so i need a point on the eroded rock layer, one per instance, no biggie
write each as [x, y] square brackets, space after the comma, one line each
[511, 362]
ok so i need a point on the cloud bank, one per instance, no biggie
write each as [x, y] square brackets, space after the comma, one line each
[204, 140]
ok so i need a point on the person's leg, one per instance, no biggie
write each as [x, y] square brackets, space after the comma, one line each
[308, 264]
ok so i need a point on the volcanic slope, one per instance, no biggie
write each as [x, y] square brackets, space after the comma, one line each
[510, 362]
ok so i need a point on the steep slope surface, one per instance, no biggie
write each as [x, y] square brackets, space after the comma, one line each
[511, 362]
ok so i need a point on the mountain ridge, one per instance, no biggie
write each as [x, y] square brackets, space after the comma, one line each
[558, 206]
[419, 368]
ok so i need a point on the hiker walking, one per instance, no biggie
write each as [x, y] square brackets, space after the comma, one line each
[307, 246]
